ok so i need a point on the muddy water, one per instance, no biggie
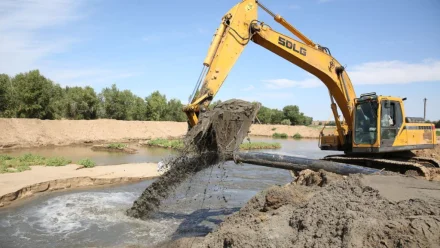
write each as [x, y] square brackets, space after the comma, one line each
[75, 153]
[96, 217]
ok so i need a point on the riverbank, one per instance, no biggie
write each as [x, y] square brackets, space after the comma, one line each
[40, 179]
[21, 133]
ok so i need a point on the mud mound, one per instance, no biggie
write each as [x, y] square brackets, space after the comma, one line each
[341, 213]
[213, 140]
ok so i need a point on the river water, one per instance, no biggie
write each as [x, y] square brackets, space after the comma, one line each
[96, 217]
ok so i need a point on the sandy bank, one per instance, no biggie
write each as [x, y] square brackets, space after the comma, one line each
[19, 133]
[16, 186]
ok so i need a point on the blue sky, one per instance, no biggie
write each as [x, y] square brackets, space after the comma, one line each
[390, 47]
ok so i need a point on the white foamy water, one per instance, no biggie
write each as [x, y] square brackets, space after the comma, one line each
[83, 219]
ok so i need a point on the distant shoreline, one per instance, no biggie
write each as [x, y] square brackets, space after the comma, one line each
[26, 133]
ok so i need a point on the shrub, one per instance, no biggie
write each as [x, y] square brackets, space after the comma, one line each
[174, 144]
[273, 129]
[280, 135]
[87, 163]
[116, 146]
[259, 145]
[57, 161]
[297, 136]
[286, 122]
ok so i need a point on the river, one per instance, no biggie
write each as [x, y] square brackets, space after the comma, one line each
[95, 217]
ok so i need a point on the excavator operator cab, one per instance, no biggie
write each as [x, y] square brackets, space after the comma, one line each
[365, 122]
[377, 116]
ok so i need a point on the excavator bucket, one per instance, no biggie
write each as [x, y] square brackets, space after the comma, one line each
[222, 129]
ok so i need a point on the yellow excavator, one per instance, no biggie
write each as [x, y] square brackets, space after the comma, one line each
[374, 132]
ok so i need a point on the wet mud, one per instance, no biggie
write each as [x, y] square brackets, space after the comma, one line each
[322, 209]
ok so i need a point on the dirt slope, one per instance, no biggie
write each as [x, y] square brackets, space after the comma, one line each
[33, 132]
[326, 210]
[17, 133]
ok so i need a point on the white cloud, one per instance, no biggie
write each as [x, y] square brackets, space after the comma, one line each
[25, 45]
[382, 72]
[249, 88]
[287, 83]
[395, 72]
[22, 44]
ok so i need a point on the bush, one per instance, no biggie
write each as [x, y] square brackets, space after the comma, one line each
[57, 161]
[331, 123]
[280, 135]
[273, 129]
[23, 162]
[286, 122]
[297, 136]
[117, 146]
[320, 123]
[259, 145]
[174, 144]
[87, 163]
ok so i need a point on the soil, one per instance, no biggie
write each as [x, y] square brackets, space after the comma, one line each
[217, 135]
[322, 209]
[431, 153]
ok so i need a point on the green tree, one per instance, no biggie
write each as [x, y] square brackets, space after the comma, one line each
[174, 111]
[113, 103]
[264, 115]
[138, 109]
[156, 106]
[81, 103]
[277, 116]
[33, 93]
[5, 96]
[285, 122]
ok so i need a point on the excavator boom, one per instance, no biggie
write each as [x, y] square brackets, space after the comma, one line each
[240, 26]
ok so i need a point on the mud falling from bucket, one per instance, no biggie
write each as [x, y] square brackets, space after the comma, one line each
[214, 139]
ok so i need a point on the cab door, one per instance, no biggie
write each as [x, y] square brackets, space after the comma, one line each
[391, 120]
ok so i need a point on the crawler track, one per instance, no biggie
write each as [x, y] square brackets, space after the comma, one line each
[404, 164]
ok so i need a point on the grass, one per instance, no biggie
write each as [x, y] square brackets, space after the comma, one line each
[165, 143]
[119, 146]
[280, 135]
[297, 136]
[437, 132]
[87, 163]
[178, 144]
[273, 129]
[259, 145]
[57, 161]
[21, 163]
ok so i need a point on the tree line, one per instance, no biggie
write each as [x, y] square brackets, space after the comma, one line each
[31, 95]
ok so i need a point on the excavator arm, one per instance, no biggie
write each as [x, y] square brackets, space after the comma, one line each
[240, 26]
